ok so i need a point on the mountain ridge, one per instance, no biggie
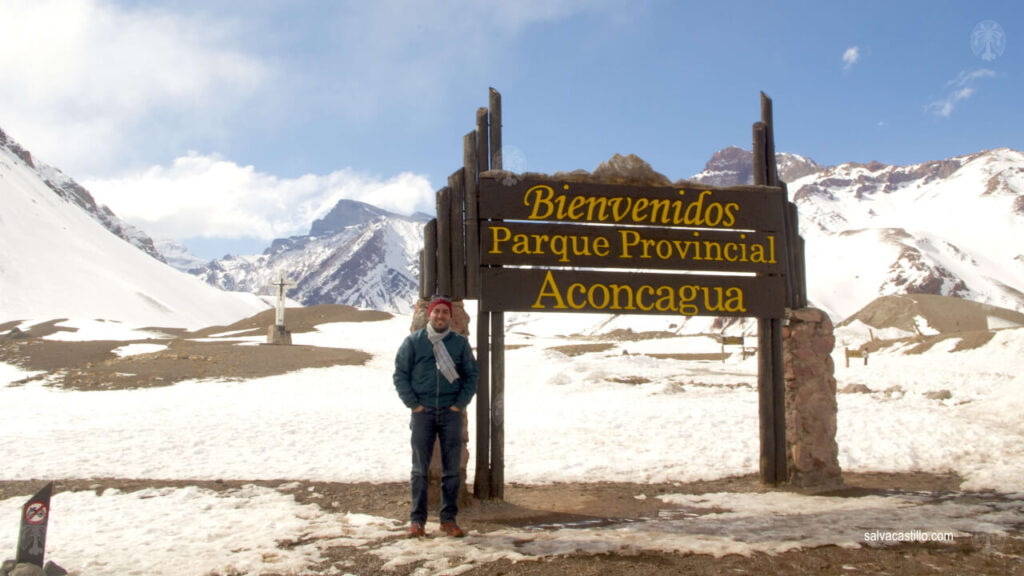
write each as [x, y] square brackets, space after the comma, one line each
[67, 188]
[62, 256]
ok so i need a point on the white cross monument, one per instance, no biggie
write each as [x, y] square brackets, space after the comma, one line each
[278, 334]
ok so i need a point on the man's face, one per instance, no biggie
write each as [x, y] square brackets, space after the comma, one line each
[440, 318]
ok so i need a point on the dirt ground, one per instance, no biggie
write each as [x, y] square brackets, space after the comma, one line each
[613, 503]
[93, 366]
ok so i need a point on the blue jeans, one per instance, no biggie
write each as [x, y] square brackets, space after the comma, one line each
[445, 424]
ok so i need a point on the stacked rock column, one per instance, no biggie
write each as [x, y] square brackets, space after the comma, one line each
[460, 324]
[812, 453]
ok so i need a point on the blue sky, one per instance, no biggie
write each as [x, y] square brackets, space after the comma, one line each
[226, 124]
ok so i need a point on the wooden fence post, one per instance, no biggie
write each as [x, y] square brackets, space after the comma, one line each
[498, 335]
[469, 169]
[456, 198]
[444, 243]
[482, 480]
[429, 269]
[765, 397]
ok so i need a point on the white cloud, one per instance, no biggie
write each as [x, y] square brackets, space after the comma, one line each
[95, 86]
[957, 90]
[850, 57]
[207, 196]
[83, 81]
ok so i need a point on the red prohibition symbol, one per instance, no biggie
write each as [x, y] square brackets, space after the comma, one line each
[35, 513]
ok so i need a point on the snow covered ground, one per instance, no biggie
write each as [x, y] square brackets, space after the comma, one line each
[617, 415]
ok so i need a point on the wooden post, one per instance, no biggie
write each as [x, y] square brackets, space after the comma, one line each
[497, 336]
[423, 278]
[778, 373]
[429, 269]
[796, 283]
[456, 185]
[472, 226]
[495, 116]
[765, 356]
[482, 481]
[444, 242]
[769, 144]
[483, 155]
[498, 406]
[760, 166]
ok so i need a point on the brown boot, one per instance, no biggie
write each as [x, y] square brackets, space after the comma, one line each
[452, 529]
[415, 531]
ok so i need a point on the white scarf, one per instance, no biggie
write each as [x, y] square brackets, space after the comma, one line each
[444, 360]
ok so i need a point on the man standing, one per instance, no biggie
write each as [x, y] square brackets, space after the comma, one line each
[435, 375]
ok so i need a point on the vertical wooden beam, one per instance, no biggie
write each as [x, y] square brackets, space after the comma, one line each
[765, 350]
[792, 297]
[456, 199]
[482, 481]
[423, 277]
[495, 116]
[482, 478]
[444, 242]
[498, 405]
[497, 334]
[429, 268]
[483, 154]
[769, 145]
[472, 226]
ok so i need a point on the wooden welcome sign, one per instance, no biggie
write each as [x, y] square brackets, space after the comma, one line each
[533, 243]
[556, 246]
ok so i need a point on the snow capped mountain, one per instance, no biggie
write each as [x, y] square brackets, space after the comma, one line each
[65, 187]
[357, 254]
[734, 166]
[61, 256]
[177, 255]
[949, 227]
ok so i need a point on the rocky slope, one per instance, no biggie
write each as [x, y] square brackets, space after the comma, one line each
[358, 255]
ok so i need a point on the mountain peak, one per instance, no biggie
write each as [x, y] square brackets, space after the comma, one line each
[344, 214]
[734, 166]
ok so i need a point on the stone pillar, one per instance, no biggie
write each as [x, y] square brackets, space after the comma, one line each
[460, 323]
[812, 455]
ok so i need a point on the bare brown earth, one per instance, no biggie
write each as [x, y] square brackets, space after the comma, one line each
[92, 366]
[953, 318]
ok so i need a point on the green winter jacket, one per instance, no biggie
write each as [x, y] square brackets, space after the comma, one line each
[420, 383]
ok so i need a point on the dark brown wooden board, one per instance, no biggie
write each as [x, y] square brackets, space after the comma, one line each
[537, 290]
[757, 208]
[592, 246]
